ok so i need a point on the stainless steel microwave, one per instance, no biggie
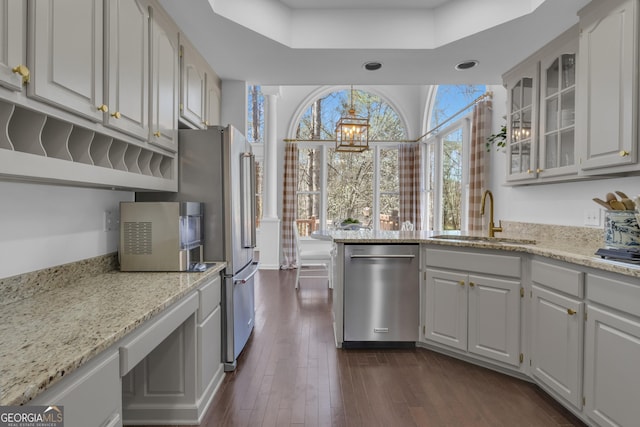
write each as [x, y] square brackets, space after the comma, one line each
[161, 236]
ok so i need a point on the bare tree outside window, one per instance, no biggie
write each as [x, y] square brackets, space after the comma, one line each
[350, 176]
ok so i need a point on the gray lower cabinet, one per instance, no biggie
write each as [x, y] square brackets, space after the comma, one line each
[612, 350]
[557, 314]
[472, 303]
[176, 381]
[90, 395]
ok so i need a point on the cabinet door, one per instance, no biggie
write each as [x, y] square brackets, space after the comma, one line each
[128, 62]
[213, 102]
[494, 318]
[13, 19]
[193, 83]
[164, 82]
[209, 357]
[608, 86]
[557, 112]
[66, 55]
[522, 119]
[446, 308]
[556, 343]
[612, 377]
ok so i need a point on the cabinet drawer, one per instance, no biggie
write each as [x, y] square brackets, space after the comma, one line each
[616, 293]
[140, 343]
[501, 265]
[557, 277]
[209, 294]
[90, 395]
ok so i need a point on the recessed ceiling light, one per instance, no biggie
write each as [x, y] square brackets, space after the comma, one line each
[372, 66]
[465, 65]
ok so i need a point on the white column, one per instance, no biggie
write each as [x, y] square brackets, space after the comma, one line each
[269, 243]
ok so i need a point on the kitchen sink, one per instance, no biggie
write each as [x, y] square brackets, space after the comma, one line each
[483, 239]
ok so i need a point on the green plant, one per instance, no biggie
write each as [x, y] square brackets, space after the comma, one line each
[499, 139]
[351, 221]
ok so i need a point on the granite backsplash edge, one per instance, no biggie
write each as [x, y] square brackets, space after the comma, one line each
[22, 286]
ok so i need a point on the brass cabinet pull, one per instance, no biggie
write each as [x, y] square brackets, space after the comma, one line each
[624, 153]
[23, 71]
[529, 171]
[103, 108]
[461, 283]
[116, 115]
[538, 170]
[156, 134]
[472, 284]
[570, 312]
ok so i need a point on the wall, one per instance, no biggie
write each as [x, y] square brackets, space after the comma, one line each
[556, 203]
[45, 225]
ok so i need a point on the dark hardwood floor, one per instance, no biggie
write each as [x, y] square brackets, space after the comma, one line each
[291, 374]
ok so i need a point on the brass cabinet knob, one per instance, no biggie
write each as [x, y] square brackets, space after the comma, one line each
[570, 312]
[23, 71]
[624, 153]
[461, 283]
[116, 115]
[156, 134]
[529, 171]
[103, 108]
[472, 284]
[538, 170]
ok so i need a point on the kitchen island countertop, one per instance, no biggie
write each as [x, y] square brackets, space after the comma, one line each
[560, 249]
[49, 334]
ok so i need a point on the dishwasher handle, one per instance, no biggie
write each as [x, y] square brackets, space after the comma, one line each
[369, 256]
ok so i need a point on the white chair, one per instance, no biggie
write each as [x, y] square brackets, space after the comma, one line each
[316, 257]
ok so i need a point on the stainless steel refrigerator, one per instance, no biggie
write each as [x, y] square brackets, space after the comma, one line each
[216, 167]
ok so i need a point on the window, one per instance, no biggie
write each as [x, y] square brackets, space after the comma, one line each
[255, 135]
[255, 115]
[446, 165]
[335, 188]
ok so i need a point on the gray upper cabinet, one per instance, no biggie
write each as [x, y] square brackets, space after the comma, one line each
[164, 81]
[608, 84]
[541, 114]
[128, 67]
[66, 55]
[193, 86]
[13, 70]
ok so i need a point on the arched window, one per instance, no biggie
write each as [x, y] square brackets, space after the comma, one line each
[337, 188]
[447, 148]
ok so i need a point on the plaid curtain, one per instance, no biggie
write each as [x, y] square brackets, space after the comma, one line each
[409, 176]
[480, 129]
[290, 185]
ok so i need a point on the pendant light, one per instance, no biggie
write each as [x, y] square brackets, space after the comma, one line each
[352, 132]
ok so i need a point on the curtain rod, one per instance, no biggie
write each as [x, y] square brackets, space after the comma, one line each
[488, 94]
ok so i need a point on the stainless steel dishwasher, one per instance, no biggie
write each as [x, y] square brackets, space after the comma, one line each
[381, 295]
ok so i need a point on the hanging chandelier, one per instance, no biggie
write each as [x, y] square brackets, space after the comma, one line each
[352, 132]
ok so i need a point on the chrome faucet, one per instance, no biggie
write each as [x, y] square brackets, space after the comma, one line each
[492, 227]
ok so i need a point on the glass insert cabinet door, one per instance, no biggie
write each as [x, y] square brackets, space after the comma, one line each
[521, 130]
[557, 140]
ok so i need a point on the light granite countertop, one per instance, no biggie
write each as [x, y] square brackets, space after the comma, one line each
[48, 334]
[565, 246]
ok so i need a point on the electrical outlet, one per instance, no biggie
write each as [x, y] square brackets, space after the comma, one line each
[592, 217]
[111, 222]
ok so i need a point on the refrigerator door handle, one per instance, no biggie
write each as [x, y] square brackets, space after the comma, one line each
[248, 277]
[247, 199]
[253, 199]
